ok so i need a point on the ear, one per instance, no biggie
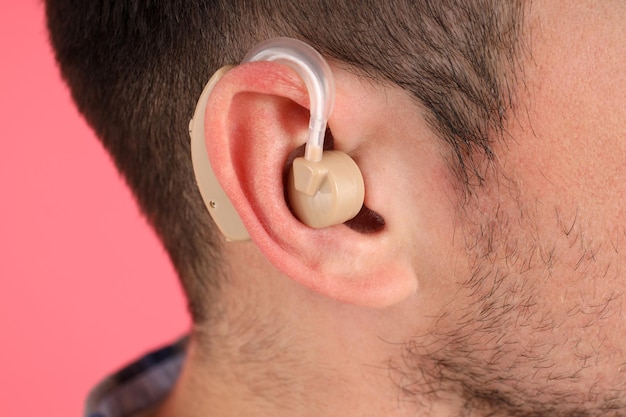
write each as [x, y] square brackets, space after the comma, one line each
[256, 117]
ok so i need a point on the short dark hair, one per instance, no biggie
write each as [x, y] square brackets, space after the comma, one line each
[135, 69]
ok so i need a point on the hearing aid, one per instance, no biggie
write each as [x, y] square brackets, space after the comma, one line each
[324, 188]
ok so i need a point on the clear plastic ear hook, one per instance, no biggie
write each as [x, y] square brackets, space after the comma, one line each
[317, 76]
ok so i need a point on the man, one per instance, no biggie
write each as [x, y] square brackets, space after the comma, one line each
[484, 275]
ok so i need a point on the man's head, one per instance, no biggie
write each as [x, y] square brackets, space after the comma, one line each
[490, 137]
[136, 68]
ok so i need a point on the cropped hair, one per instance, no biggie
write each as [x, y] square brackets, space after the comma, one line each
[135, 69]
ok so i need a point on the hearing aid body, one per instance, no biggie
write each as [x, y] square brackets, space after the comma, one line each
[324, 187]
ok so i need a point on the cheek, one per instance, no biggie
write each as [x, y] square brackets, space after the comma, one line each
[559, 194]
[538, 254]
[567, 143]
[550, 274]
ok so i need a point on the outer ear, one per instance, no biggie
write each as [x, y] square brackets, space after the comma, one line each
[256, 117]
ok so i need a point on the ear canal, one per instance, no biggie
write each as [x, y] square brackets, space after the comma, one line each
[327, 192]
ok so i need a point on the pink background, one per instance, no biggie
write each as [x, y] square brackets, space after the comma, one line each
[84, 284]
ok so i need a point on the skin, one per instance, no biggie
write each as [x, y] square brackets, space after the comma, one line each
[506, 301]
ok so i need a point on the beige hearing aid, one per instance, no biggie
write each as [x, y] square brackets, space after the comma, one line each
[214, 197]
[327, 192]
[323, 188]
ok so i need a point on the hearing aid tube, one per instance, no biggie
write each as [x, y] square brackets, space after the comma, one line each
[317, 76]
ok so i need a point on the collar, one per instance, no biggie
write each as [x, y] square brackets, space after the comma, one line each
[140, 385]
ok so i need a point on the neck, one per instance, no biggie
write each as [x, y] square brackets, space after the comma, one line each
[290, 352]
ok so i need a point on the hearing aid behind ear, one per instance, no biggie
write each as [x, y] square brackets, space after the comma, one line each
[214, 197]
[323, 188]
